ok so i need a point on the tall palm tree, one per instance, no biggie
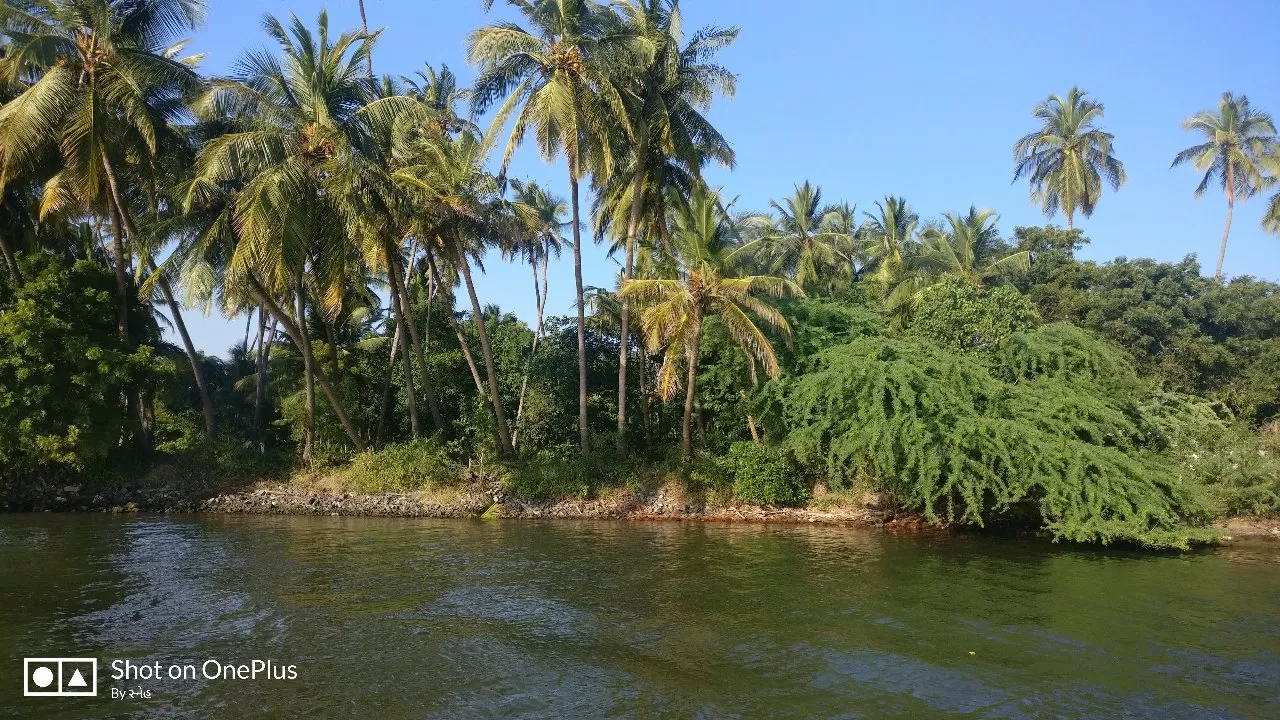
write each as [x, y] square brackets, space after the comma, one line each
[542, 217]
[1067, 159]
[886, 238]
[671, 138]
[801, 241]
[462, 213]
[559, 81]
[103, 84]
[291, 119]
[703, 283]
[1237, 138]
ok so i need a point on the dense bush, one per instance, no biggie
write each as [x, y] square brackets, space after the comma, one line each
[765, 475]
[957, 315]
[63, 367]
[950, 438]
[417, 465]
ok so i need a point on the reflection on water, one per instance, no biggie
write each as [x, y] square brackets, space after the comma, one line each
[441, 619]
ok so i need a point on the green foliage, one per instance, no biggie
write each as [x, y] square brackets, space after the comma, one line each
[1065, 352]
[63, 368]
[559, 472]
[765, 475]
[1238, 469]
[948, 438]
[422, 464]
[961, 316]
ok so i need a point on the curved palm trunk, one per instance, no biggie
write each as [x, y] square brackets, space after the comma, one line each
[583, 439]
[692, 352]
[428, 390]
[471, 361]
[1231, 204]
[624, 334]
[122, 281]
[495, 393]
[540, 300]
[11, 260]
[206, 402]
[397, 304]
[465, 347]
[126, 221]
[297, 336]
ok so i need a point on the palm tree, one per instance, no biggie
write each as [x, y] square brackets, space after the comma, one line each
[461, 212]
[103, 84]
[559, 81]
[968, 246]
[1237, 138]
[439, 90]
[801, 241]
[886, 238]
[671, 139]
[704, 284]
[541, 236]
[1067, 158]
[291, 132]
[971, 248]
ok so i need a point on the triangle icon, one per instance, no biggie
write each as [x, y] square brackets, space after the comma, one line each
[77, 680]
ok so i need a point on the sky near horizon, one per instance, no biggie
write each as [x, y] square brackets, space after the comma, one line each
[866, 99]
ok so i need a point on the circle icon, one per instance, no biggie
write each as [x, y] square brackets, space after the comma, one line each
[42, 677]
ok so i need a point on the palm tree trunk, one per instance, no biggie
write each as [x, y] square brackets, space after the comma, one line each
[433, 405]
[464, 346]
[471, 361]
[10, 260]
[1231, 203]
[122, 282]
[504, 435]
[583, 440]
[297, 336]
[331, 339]
[364, 25]
[397, 305]
[260, 392]
[690, 393]
[1070, 221]
[539, 300]
[624, 333]
[641, 372]
[308, 375]
[206, 403]
[386, 388]
[134, 407]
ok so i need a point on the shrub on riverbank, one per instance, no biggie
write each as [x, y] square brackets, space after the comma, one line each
[965, 440]
[765, 475]
[421, 464]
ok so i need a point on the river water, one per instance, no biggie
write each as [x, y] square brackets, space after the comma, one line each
[393, 618]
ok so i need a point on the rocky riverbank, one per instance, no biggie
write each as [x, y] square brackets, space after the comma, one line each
[669, 502]
[665, 503]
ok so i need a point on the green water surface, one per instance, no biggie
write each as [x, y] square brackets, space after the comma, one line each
[393, 618]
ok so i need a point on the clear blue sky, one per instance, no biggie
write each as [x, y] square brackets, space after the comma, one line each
[920, 99]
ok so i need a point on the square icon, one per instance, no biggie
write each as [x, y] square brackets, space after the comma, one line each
[60, 677]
